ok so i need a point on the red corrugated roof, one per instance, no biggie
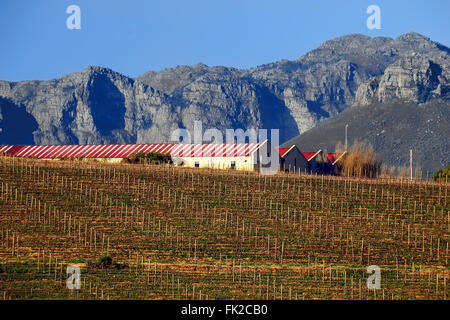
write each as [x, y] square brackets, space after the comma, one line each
[24, 151]
[7, 149]
[214, 150]
[334, 157]
[309, 155]
[125, 150]
[282, 151]
[4, 149]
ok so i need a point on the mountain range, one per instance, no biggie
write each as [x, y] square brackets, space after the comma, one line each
[370, 78]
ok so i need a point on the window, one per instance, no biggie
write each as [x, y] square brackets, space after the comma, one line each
[197, 164]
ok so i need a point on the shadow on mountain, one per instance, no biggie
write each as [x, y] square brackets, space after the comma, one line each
[16, 124]
[69, 112]
[275, 115]
[107, 105]
[317, 108]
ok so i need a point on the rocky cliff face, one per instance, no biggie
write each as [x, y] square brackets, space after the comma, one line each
[411, 78]
[98, 105]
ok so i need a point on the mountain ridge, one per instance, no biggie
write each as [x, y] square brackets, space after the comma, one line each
[100, 105]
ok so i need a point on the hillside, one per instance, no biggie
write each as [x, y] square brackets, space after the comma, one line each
[392, 129]
[99, 105]
[168, 232]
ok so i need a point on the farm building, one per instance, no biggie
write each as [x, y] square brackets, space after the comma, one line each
[110, 152]
[333, 161]
[323, 163]
[315, 160]
[292, 159]
[240, 156]
[334, 158]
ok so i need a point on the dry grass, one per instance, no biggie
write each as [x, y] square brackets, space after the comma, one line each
[359, 161]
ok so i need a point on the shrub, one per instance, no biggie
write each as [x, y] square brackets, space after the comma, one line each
[323, 164]
[360, 160]
[151, 157]
[442, 175]
[106, 262]
[387, 171]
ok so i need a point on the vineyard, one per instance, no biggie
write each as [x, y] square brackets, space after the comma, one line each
[188, 233]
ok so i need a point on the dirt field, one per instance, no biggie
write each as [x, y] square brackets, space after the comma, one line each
[180, 233]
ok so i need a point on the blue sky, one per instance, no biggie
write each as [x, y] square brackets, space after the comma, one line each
[133, 37]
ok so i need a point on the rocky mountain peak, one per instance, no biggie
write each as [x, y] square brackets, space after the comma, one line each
[98, 71]
[99, 105]
[414, 38]
[350, 41]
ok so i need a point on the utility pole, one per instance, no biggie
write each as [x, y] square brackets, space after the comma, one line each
[346, 144]
[411, 164]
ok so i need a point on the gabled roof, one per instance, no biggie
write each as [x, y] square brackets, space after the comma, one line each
[125, 150]
[311, 155]
[10, 149]
[282, 151]
[215, 149]
[334, 157]
[84, 151]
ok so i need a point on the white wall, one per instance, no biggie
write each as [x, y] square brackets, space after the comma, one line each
[241, 163]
